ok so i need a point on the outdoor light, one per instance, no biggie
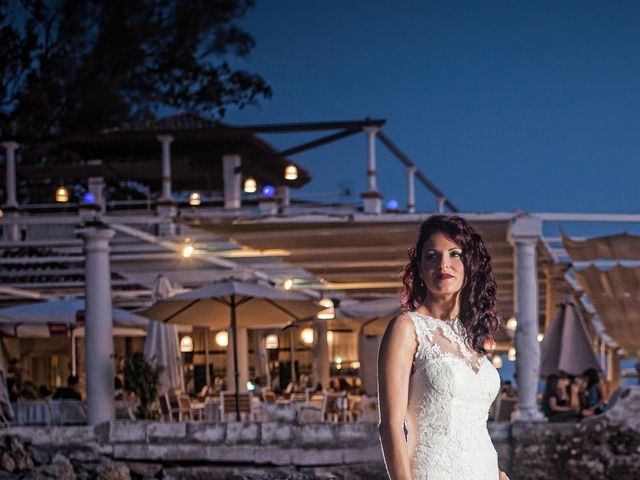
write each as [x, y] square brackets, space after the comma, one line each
[187, 250]
[392, 204]
[88, 198]
[329, 312]
[194, 199]
[497, 361]
[355, 365]
[291, 172]
[512, 324]
[222, 338]
[287, 284]
[338, 363]
[268, 191]
[511, 355]
[251, 386]
[250, 185]
[62, 194]
[330, 337]
[186, 344]
[306, 335]
[540, 336]
[271, 341]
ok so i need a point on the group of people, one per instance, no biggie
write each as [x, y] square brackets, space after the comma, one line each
[569, 398]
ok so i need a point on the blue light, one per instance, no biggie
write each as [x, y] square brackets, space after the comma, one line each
[89, 198]
[268, 191]
[392, 205]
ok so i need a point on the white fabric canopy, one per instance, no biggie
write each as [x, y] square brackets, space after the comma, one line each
[37, 319]
[162, 347]
[566, 346]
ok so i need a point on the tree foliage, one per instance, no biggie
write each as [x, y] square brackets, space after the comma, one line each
[142, 379]
[84, 65]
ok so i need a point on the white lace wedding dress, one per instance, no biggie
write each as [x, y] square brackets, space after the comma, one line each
[450, 392]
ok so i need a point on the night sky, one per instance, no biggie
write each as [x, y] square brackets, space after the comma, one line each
[506, 106]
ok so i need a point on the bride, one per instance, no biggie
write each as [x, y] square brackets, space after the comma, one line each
[435, 383]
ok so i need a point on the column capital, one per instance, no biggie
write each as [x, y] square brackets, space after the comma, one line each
[411, 169]
[372, 129]
[11, 145]
[525, 229]
[165, 138]
[94, 230]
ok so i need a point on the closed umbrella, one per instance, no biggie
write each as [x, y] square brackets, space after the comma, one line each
[233, 303]
[162, 347]
[566, 346]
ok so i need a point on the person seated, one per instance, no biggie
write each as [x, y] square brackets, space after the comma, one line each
[556, 402]
[28, 390]
[43, 392]
[70, 392]
[591, 398]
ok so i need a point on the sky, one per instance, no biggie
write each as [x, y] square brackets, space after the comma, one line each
[505, 106]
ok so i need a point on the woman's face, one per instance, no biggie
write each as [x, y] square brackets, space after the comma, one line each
[441, 266]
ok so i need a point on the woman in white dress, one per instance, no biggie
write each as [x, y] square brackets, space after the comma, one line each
[435, 382]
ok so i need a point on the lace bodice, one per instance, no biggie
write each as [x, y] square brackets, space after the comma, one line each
[450, 391]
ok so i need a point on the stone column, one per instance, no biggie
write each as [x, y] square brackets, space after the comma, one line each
[320, 362]
[10, 208]
[243, 361]
[284, 198]
[411, 189]
[166, 204]
[524, 235]
[98, 323]
[166, 195]
[440, 204]
[371, 198]
[232, 180]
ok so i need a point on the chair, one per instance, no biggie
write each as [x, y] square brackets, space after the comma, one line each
[228, 405]
[505, 408]
[125, 410]
[269, 397]
[166, 411]
[312, 409]
[34, 412]
[335, 408]
[71, 412]
[186, 408]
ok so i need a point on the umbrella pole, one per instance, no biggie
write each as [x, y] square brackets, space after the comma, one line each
[207, 379]
[293, 365]
[236, 372]
[74, 361]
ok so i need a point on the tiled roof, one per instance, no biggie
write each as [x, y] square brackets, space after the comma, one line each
[182, 121]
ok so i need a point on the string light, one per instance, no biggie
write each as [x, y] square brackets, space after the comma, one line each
[62, 194]
[291, 172]
[250, 185]
[194, 199]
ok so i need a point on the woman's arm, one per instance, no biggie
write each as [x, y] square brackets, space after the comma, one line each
[394, 369]
[553, 403]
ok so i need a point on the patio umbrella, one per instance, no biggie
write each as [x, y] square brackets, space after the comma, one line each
[234, 303]
[162, 347]
[566, 346]
[40, 319]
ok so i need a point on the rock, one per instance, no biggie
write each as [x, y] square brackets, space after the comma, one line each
[6, 462]
[40, 456]
[59, 469]
[145, 469]
[113, 471]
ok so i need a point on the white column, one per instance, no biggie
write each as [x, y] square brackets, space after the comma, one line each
[283, 196]
[440, 204]
[524, 235]
[10, 157]
[11, 230]
[98, 324]
[243, 361]
[411, 189]
[372, 199]
[166, 195]
[320, 362]
[232, 180]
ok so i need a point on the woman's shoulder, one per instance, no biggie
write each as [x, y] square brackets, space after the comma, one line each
[403, 325]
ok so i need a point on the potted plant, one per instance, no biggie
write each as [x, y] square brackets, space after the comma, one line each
[142, 379]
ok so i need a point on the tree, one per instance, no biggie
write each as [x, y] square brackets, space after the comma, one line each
[84, 65]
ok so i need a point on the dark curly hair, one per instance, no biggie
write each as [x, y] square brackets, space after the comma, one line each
[478, 296]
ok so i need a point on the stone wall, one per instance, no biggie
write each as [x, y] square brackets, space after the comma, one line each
[603, 447]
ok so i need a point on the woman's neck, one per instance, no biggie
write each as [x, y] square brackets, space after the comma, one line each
[442, 307]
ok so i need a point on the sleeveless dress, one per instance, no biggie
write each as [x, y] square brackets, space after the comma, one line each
[450, 391]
